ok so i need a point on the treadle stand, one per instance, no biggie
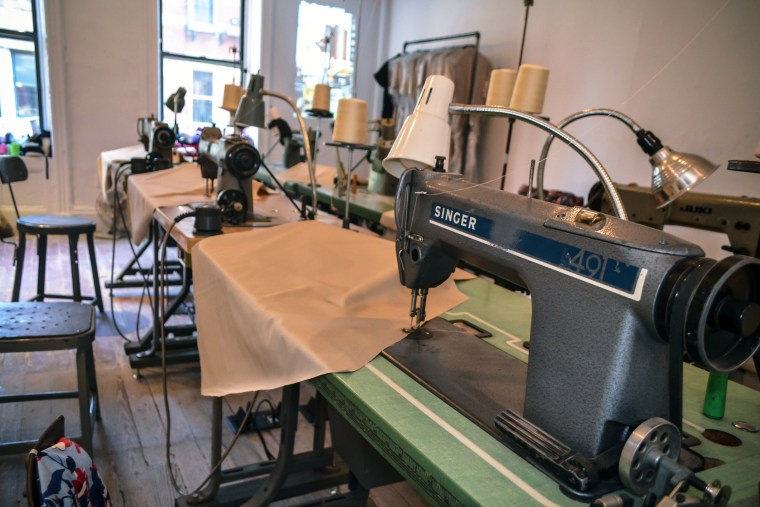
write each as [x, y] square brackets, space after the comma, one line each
[181, 345]
[288, 476]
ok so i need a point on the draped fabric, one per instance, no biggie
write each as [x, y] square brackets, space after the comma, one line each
[68, 477]
[407, 74]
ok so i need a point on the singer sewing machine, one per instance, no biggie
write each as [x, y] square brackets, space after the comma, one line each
[737, 217]
[157, 137]
[614, 307]
[233, 161]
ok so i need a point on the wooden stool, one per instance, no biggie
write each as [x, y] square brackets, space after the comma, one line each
[36, 327]
[43, 226]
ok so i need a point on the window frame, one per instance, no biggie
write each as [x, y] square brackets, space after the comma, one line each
[238, 63]
[32, 37]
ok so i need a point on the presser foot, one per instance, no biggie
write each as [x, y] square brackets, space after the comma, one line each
[417, 333]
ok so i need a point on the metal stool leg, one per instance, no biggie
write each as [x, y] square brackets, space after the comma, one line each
[93, 382]
[20, 254]
[94, 265]
[74, 259]
[42, 264]
[84, 399]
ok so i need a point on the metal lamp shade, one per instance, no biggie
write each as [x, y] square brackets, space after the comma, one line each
[251, 109]
[176, 101]
[674, 174]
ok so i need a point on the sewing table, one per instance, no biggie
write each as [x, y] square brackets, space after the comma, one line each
[451, 461]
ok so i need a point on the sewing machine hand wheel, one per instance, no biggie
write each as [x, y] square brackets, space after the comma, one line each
[233, 204]
[723, 319]
[649, 466]
[242, 160]
[643, 452]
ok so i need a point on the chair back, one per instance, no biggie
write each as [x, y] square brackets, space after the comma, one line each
[56, 468]
[51, 435]
[13, 169]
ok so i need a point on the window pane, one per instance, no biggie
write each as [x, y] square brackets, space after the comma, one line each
[203, 11]
[203, 83]
[205, 28]
[205, 89]
[324, 52]
[25, 83]
[16, 15]
[19, 107]
[202, 111]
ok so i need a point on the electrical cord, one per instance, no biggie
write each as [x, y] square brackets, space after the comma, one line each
[162, 338]
[300, 211]
[269, 455]
[119, 213]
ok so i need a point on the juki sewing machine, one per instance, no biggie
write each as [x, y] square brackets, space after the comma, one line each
[615, 305]
[233, 161]
[737, 217]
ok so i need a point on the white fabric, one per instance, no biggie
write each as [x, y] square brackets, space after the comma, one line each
[282, 305]
[388, 220]
[110, 160]
[170, 187]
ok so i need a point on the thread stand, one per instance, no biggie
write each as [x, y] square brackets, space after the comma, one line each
[350, 147]
[319, 114]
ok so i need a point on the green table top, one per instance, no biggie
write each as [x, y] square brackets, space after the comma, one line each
[363, 204]
[453, 462]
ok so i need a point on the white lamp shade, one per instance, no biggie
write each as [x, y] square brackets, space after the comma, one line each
[426, 132]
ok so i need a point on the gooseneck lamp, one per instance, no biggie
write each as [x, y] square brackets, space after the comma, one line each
[250, 113]
[673, 173]
[176, 102]
[422, 136]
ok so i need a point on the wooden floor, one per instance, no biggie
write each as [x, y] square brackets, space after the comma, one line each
[129, 443]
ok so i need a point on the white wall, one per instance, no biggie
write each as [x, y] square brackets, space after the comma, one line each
[102, 67]
[110, 74]
[675, 67]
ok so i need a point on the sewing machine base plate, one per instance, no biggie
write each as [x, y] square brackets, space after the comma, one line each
[466, 372]
[477, 380]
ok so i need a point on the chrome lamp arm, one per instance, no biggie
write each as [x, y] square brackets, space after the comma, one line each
[673, 173]
[555, 131]
[306, 145]
[635, 127]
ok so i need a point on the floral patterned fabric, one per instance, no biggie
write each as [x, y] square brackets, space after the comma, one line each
[69, 478]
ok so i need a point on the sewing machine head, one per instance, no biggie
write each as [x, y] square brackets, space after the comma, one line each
[235, 161]
[611, 300]
[156, 136]
[737, 217]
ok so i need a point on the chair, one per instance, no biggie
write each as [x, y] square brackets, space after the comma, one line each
[12, 170]
[54, 468]
[35, 327]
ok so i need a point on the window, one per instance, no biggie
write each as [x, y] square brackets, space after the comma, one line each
[200, 47]
[203, 86]
[25, 83]
[20, 90]
[325, 50]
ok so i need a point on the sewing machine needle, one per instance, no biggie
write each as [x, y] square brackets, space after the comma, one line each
[413, 309]
[423, 302]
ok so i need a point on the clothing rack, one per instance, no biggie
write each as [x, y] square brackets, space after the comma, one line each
[467, 35]
[475, 35]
